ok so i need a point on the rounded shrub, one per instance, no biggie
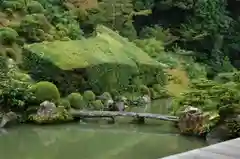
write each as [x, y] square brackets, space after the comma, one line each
[45, 90]
[8, 35]
[89, 96]
[35, 7]
[97, 105]
[75, 100]
[65, 103]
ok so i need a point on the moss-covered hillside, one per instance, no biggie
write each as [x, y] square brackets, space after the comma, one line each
[106, 62]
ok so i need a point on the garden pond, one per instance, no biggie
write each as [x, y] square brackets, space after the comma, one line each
[97, 140]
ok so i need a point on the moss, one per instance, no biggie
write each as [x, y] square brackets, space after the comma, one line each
[32, 27]
[76, 100]
[89, 96]
[112, 64]
[45, 91]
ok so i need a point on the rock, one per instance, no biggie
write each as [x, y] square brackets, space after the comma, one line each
[191, 121]
[7, 119]
[46, 109]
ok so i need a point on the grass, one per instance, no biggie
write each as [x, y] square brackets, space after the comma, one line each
[181, 86]
[106, 47]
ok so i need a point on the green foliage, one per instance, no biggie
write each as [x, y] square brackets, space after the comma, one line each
[159, 34]
[76, 100]
[228, 76]
[143, 89]
[45, 91]
[89, 96]
[11, 53]
[233, 126]
[155, 49]
[65, 102]
[115, 15]
[116, 67]
[14, 85]
[211, 96]
[97, 105]
[34, 27]
[35, 7]
[15, 5]
[8, 36]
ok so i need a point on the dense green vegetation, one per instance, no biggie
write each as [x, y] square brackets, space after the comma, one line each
[184, 49]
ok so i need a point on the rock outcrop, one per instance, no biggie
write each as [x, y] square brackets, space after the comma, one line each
[191, 121]
[7, 119]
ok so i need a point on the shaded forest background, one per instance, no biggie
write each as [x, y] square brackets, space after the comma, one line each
[208, 30]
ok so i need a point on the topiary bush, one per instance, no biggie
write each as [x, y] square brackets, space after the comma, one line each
[45, 90]
[65, 102]
[8, 36]
[97, 105]
[89, 96]
[76, 100]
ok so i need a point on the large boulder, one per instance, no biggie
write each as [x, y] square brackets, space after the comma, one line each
[46, 109]
[192, 121]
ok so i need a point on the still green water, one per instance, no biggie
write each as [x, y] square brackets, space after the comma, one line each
[96, 140]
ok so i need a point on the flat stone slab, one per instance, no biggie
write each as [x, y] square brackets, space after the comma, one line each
[224, 150]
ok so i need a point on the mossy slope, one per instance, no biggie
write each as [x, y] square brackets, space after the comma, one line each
[105, 62]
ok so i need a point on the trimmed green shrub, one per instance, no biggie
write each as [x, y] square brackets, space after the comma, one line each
[76, 100]
[8, 36]
[97, 105]
[35, 7]
[89, 96]
[65, 102]
[45, 91]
